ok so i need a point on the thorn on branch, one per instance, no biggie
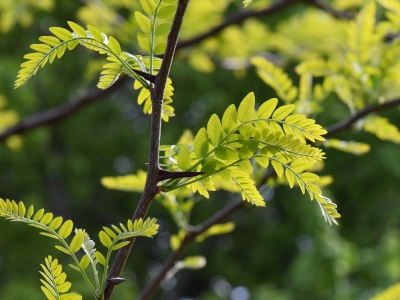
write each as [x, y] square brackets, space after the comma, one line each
[162, 174]
[147, 76]
[114, 281]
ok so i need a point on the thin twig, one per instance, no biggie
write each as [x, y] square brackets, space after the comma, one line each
[338, 14]
[348, 123]
[150, 189]
[236, 19]
[56, 114]
[191, 235]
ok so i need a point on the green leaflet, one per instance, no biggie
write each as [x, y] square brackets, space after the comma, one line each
[163, 29]
[266, 109]
[214, 130]
[201, 144]
[166, 11]
[144, 41]
[184, 160]
[246, 108]
[149, 6]
[229, 119]
[160, 48]
[143, 22]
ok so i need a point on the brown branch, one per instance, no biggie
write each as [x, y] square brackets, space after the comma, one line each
[150, 189]
[236, 19]
[338, 14]
[348, 123]
[191, 235]
[56, 114]
[247, 14]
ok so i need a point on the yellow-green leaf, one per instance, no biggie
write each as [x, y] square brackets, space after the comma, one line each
[46, 219]
[277, 167]
[21, 209]
[49, 295]
[49, 40]
[64, 287]
[143, 22]
[38, 215]
[226, 153]
[166, 11]
[184, 160]
[214, 130]
[79, 30]
[144, 42]
[266, 109]
[30, 212]
[61, 33]
[105, 239]
[290, 177]
[100, 257]
[55, 223]
[62, 249]
[163, 29]
[160, 48]
[120, 245]
[40, 48]
[66, 229]
[248, 149]
[96, 34]
[114, 45]
[77, 241]
[148, 6]
[85, 261]
[246, 108]
[229, 119]
[201, 144]
[283, 111]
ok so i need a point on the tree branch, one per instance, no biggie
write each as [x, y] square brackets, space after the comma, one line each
[348, 123]
[58, 113]
[190, 236]
[338, 14]
[247, 14]
[236, 19]
[150, 189]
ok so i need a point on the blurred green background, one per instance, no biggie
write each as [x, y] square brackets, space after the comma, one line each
[284, 251]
